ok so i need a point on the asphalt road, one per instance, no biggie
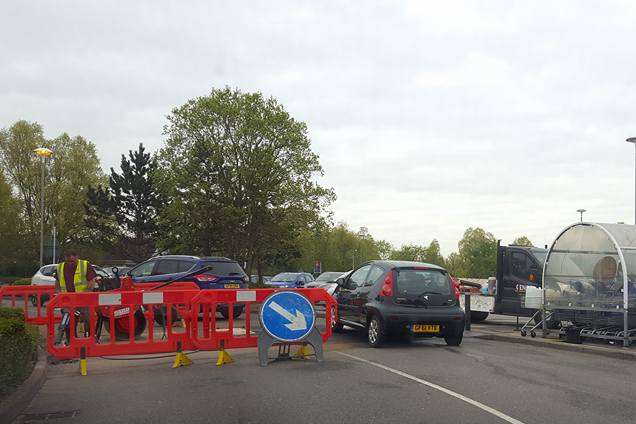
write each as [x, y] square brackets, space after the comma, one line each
[425, 381]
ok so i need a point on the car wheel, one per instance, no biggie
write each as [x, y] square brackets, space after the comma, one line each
[455, 339]
[375, 332]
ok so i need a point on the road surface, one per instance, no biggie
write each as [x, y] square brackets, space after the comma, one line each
[425, 381]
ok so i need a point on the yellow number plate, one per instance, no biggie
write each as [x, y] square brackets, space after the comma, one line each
[232, 286]
[425, 328]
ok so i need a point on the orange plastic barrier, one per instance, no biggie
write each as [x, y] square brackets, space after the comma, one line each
[35, 295]
[186, 320]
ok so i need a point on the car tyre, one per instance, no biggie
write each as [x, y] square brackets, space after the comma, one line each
[455, 339]
[375, 331]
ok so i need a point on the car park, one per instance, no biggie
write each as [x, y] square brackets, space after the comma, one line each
[398, 297]
[224, 273]
[290, 279]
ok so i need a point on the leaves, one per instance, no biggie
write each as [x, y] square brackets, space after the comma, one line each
[238, 171]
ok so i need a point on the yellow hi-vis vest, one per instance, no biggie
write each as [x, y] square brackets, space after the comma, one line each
[79, 279]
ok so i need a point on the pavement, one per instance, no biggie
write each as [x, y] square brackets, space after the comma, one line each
[482, 381]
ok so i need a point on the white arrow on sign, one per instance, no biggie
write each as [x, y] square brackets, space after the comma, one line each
[297, 322]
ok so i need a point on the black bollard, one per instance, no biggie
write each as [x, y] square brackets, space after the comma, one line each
[467, 310]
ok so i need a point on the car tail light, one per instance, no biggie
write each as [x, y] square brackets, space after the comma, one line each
[387, 286]
[456, 288]
[208, 278]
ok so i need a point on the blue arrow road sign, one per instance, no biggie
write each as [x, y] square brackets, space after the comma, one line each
[287, 316]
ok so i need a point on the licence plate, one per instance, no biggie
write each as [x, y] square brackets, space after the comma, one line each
[425, 328]
[232, 286]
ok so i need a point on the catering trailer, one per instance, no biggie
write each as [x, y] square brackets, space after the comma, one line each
[590, 282]
[517, 268]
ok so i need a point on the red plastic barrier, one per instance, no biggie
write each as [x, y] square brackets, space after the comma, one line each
[123, 314]
[35, 295]
[208, 301]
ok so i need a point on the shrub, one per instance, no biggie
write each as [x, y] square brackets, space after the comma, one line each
[21, 282]
[18, 342]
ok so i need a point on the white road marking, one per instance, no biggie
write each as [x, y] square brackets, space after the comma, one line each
[468, 400]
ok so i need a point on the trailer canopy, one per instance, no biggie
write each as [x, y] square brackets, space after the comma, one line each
[591, 272]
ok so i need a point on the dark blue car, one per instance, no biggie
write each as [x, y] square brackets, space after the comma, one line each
[290, 279]
[225, 273]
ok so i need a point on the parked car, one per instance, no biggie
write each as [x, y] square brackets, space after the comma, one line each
[290, 279]
[398, 297]
[225, 274]
[327, 281]
[44, 276]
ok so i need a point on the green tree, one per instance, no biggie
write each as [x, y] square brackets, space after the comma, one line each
[13, 257]
[478, 254]
[522, 241]
[455, 265]
[433, 254]
[73, 168]
[239, 172]
[409, 252]
[22, 167]
[124, 216]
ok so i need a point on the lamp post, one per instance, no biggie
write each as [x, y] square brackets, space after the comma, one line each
[43, 153]
[581, 212]
[633, 141]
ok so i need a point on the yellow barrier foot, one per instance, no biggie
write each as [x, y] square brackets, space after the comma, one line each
[83, 370]
[181, 360]
[224, 358]
[303, 352]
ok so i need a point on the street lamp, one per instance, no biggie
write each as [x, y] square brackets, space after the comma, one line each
[633, 140]
[581, 212]
[44, 154]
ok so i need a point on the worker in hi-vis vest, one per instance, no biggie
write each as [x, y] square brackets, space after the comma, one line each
[74, 274]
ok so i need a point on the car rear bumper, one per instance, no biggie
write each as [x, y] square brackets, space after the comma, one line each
[401, 319]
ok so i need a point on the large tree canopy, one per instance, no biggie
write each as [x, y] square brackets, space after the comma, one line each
[72, 169]
[239, 172]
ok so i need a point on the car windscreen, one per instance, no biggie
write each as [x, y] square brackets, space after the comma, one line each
[286, 277]
[328, 276]
[223, 268]
[416, 282]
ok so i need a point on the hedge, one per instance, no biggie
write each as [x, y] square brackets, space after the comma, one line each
[18, 342]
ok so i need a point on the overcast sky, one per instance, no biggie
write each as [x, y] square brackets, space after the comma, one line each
[429, 117]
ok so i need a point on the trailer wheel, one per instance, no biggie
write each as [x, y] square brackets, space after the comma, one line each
[476, 316]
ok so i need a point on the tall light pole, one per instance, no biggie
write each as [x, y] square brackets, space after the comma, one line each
[581, 212]
[43, 153]
[633, 140]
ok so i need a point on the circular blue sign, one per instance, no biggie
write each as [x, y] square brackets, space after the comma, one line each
[287, 316]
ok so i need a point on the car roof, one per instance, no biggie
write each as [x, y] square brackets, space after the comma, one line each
[196, 258]
[406, 264]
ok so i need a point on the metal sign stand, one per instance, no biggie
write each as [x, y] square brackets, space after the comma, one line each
[265, 341]
[288, 318]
